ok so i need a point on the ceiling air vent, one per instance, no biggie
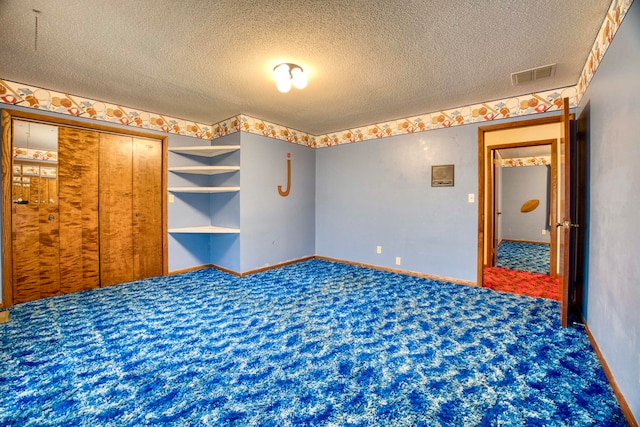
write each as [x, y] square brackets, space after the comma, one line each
[533, 74]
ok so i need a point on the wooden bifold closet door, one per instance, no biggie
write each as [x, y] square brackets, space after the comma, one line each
[130, 209]
[55, 227]
[96, 220]
[147, 208]
[78, 194]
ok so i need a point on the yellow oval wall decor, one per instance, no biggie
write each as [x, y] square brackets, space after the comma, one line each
[529, 205]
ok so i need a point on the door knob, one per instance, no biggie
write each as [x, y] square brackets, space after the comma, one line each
[567, 224]
[137, 214]
[51, 217]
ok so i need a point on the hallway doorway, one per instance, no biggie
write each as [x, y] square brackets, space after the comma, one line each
[553, 130]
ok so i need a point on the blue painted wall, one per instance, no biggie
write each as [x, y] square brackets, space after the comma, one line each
[275, 229]
[613, 299]
[520, 184]
[225, 207]
[378, 193]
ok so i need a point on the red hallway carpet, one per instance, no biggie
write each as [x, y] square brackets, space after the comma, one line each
[522, 282]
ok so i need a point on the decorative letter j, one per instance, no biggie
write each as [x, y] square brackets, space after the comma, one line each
[285, 193]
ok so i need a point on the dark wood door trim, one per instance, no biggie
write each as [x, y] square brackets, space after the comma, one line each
[7, 253]
[482, 161]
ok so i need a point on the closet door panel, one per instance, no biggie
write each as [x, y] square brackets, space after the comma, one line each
[49, 251]
[116, 215]
[35, 252]
[26, 247]
[78, 200]
[147, 208]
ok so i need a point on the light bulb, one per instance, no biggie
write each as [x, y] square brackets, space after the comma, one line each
[281, 72]
[283, 85]
[299, 78]
[283, 78]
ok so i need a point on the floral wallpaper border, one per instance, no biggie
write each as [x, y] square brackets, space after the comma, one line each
[13, 93]
[33, 97]
[483, 112]
[261, 127]
[38, 98]
[616, 13]
[526, 161]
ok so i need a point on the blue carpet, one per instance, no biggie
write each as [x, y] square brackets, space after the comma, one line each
[531, 257]
[311, 344]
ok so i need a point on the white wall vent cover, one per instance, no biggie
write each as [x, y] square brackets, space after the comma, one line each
[533, 74]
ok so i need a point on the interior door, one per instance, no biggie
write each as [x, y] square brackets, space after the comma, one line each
[147, 208]
[564, 223]
[78, 193]
[116, 209]
[579, 196]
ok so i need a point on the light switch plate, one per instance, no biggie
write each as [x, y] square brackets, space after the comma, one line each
[472, 197]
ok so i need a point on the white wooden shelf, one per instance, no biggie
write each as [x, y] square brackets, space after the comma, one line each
[203, 189]
[205, 229]
[204, 170]
[205, 151]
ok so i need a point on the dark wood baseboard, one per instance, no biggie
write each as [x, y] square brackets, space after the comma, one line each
[236, 273]
[341, 261]
[624, 406]
[396, 270]
[190, 269]
[226, 270]
[282, 264]
[204, 267]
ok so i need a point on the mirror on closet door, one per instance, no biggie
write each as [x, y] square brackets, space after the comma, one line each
[35, 163]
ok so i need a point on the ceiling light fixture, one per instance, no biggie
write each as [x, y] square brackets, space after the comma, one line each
[289, 74]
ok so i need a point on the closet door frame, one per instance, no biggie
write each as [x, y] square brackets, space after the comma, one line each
[8, 115]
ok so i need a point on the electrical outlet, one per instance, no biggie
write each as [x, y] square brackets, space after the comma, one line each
[472, 198]
[378, 249]
[398, 260]
[172, 198]
[544, 232]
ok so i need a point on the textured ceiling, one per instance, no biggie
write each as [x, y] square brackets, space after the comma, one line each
[368, 61]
